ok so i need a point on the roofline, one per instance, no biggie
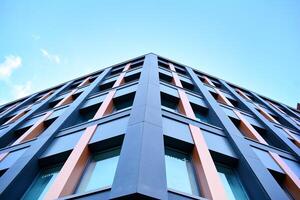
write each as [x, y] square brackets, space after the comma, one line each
[175, 62]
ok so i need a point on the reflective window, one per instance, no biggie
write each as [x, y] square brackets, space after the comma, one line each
[231, 183]
[41, 184]
[100, 172]
[180, 172]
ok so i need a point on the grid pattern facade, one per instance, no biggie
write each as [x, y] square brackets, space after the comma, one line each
[142, 120]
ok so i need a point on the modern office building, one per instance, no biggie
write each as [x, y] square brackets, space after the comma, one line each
[149, 128]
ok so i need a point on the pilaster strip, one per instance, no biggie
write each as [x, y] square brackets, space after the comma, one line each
[207, 175]
[279, 112]
[292, 182]
[259, 183]
[12, 182]
[70, 174]
[267, 124]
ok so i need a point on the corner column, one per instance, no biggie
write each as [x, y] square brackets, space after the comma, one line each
[141, 168]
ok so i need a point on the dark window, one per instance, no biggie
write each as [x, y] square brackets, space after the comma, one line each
[115, 71]
[201, 113]
[87, 114]
[136, 65]
[188, 86]
[107, 86]
[165, 78]
[169, 102]
[163, 65]
[123, 102]
[132, 78]
[180, 70]
[280, 179]
[270, 139]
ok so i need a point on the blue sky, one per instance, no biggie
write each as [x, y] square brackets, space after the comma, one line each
[254, 44]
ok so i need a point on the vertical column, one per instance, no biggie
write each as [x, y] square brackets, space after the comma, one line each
[12, 182]
[262, 117]
[292, 182]
[141, 167]
[69, 175]
[15, 107]
[279, 112]
[259, 182]
[211, 185]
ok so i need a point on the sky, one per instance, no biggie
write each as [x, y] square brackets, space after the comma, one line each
[254, 44]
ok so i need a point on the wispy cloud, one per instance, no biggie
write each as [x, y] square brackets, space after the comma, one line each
[10, 63]
[21, 90]
[52, 57]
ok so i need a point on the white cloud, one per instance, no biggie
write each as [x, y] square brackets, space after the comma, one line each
[52, 57]
[21, 90]
[10, 63]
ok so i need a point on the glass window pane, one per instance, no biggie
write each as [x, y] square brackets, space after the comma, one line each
[231, 183]
[100, 172]
[180, 172]
[41, 184]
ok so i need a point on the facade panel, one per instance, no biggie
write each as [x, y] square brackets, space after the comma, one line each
[149, 128]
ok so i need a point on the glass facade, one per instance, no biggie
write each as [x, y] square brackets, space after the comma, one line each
[41, 184]
[231, 183]
[180, 172]
[100, 171]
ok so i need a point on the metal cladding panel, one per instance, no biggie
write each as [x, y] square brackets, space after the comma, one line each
[135, 71]
[196, 100]
[177, 130]
[110, 129]
[62, 144]
[293, 165]
[143, 142]
[166, 72]
[125, 90]
[11, 158]
[94, 100]
[229, 112]
[30, 122]
[185, 79]
[169, 90]
[58, 112]
[218, 144]
[267, 160]
[252, 120]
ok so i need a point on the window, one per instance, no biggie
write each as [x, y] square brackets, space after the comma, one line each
[201, 113]
[180, 172]
[165, 78]
[280, 179]
[188, 86]
[41, 184]
[163, 65]
[88, 113]
[169, 102]
[231, 183]
[132, 78]
[106, 86]
[100, 171]
[123, 102]
[116, 70]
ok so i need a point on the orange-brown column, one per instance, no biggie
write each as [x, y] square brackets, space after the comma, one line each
[19, 115]
[210, 183]
[72, 170]
[291, 181]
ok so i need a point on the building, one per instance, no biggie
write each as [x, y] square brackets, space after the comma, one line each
[149, 128]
